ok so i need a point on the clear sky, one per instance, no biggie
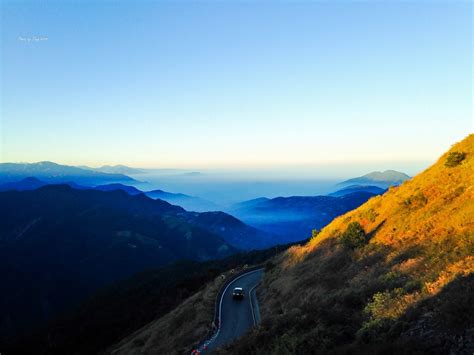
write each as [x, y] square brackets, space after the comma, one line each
[201, 84]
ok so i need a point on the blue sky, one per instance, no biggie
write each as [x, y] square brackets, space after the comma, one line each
[221, 84]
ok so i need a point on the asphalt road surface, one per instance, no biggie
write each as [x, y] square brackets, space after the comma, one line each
[238, 316]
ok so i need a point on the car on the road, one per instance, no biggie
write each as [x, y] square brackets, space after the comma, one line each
[238, 293]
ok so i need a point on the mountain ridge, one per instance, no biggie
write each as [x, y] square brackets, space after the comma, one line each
[53, 172]
[115, 169]
[382, 179]
[356, 188]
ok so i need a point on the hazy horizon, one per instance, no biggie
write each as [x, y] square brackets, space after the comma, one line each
[228, 186]
[332, 171]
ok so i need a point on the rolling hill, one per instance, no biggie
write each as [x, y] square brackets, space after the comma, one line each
[234, 231]
[29, 183]
[189, 203]
[118, 187]
[357, 188]
[293, 218]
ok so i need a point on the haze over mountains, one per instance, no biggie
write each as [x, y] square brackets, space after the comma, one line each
[287, 218]
[216, 190]
[189, 203]
[294, 217]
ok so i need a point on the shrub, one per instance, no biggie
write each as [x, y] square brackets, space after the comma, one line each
[269, 266]
[314, 233]
[373, 330]
[354, 236]
[371, 215]
[454, 159]
[417, 200]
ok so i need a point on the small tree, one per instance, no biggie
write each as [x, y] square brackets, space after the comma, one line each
[454, 159]
[314, 233]
[354, 236]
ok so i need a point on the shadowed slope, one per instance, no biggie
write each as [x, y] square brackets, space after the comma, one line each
[58, 244]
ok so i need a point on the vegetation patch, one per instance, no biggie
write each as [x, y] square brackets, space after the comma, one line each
[417, 200]
[354, 236]
[454, 159]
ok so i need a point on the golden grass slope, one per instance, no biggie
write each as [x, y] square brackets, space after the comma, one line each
[434, 206]
[418, 248]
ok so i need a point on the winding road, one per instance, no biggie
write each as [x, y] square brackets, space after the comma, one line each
[237, 316]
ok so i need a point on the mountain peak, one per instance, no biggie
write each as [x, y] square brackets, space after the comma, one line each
[381, 179]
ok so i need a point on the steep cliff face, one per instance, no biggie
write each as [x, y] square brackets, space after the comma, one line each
[396, 272]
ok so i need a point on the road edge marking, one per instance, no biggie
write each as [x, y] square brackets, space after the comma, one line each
[251, 303]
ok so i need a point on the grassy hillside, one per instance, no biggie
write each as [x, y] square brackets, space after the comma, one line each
[394, 274]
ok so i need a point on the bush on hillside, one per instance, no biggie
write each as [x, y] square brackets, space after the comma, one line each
[454, 159]
[370, 214]
[269, 266]
[417, 200]
[354, 236]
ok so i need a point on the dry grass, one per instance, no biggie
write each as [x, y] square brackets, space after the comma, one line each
[177, 331]
[420, 239]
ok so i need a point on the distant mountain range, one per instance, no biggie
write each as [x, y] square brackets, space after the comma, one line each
[55, 173]
[115, 169]
[189, 203]
[293, 218]
[382, 179]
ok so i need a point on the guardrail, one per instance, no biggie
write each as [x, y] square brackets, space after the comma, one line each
[217, 307]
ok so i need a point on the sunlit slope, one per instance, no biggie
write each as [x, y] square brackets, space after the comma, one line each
[434, 206]
[397, 272]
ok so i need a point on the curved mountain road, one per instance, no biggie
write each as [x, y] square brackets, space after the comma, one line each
[236, 316]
